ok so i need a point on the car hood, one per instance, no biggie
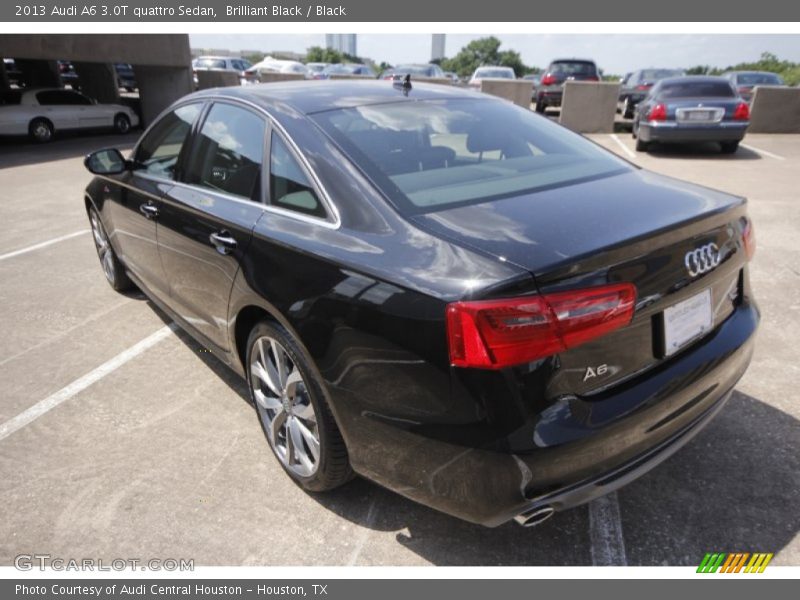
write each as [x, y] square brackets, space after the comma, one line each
[542, 230]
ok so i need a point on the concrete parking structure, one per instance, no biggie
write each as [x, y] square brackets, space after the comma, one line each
[143, 446]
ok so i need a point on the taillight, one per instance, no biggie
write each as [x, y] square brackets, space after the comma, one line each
[494, 334]
[644, 86]
[657, 113]
[749, 239]
[742, 112]
[548, 79]
[593, 78]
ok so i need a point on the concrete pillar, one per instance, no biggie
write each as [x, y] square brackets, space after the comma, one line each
[5, 84]
[161, 86]
[98, 81]
[39, 73]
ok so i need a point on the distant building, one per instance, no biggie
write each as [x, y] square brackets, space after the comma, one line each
[342, 42]
[437, 46]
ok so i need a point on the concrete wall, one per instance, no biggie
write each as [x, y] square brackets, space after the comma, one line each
[519, 91]
[98, 81]
[213, 78]
[589, 107]
[268, 77]
[775, 110]
[159, 87]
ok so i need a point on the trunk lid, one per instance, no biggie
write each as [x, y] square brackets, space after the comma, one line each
[637, 227]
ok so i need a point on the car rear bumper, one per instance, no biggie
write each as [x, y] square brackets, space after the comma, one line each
[670, 131]
[550, 96]
[637, 425]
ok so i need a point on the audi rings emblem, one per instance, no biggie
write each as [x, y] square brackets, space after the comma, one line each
[702, 260]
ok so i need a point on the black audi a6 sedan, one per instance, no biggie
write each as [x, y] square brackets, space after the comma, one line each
[434, 289]
[691, 109]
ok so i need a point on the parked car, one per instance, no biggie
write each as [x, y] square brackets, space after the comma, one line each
[68, 74]
[126, 78]
[453, 77]
[40, 113]
[551, 87]
[346, 69]
[273, 65]
[482, 73]
[746, 81]
[429, 71]
[223, 63]
[637, 85]
[315, 67]
[433, 288]
[535, 80]
[13, 73]
[692, 109]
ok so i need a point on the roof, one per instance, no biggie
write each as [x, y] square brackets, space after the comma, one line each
[317, 96]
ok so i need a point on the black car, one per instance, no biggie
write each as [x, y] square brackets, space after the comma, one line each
[433, 288]
[691, 109]
[126, 78]
[551, 86]
[636, 86]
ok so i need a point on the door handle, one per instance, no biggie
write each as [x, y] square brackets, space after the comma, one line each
[223, 241]
[149, 210]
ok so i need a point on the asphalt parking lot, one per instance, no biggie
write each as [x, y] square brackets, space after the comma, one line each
[152, 451]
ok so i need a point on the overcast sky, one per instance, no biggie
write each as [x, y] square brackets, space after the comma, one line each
[613, 53]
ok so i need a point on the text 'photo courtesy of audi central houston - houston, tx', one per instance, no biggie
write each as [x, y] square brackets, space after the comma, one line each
[433, 288]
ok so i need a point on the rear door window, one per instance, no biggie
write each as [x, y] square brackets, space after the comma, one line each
[228, 152]
[61, 98]
[290, 187]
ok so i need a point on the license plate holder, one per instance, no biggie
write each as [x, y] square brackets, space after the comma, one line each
[686, 321]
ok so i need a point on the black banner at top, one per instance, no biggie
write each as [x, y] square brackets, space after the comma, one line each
[448, 11]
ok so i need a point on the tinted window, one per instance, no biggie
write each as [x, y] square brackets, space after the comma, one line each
[495, 73]
[428, 155]
[696, 89]
[290, 188]
[759, 79]
[573, 68]
[159, 150]
[656, 74]
[61, 98]
[229, 152]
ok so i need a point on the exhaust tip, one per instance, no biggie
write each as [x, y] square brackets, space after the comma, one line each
[535, 517]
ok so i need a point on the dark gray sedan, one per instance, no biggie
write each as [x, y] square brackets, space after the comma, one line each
[691, 109]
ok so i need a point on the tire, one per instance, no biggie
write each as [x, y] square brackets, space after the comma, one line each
[122, 124]
[294, 414]
[540, 106]
[627, 109]
[112, 268]
[642, 146]
[729, 147]
[41, 131]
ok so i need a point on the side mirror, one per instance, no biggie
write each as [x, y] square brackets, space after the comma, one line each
[106, 162]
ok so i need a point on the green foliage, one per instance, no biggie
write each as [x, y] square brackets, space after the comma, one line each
[329, 55]
[485, 51]
[789, 71]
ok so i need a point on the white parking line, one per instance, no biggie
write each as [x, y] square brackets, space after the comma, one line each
[625, 149]
[43, 244]
[369, 523]
[65, 393]
[762, 152]
[605, 532]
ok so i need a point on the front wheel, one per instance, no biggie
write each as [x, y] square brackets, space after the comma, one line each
[112, 267]
[41, 130]
[729, 147]
[293, 411]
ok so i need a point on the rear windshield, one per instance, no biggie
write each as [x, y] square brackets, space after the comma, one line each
[697, 89]
[431, 155]
[758, 79]
[495, 73]
[210, 63]
[573, 68]
[656, 74]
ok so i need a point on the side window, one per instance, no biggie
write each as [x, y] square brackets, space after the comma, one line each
[158, 152]
[61, 98]
[289, 186]
[229, 152]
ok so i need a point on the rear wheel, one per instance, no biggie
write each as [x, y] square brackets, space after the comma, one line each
[122, 124]
[41, 130]
[112, 268]
[729, 147]
[540, 106]
[641, 146]
[293, 411]
[627, 109]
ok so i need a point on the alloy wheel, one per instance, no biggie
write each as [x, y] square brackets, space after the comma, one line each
[284, 406]
[103, 247]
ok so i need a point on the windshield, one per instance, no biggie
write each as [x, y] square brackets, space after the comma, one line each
[696, 89]
[758, 79]
[431, 155]
[494, 74]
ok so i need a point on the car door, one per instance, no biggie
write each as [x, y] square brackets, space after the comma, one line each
[58, 107]
[135, 207]
[206, 221]
[90, 114]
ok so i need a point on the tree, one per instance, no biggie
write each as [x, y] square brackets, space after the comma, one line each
[485, 51]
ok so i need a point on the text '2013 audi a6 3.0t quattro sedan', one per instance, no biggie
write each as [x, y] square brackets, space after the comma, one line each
[434, 289]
